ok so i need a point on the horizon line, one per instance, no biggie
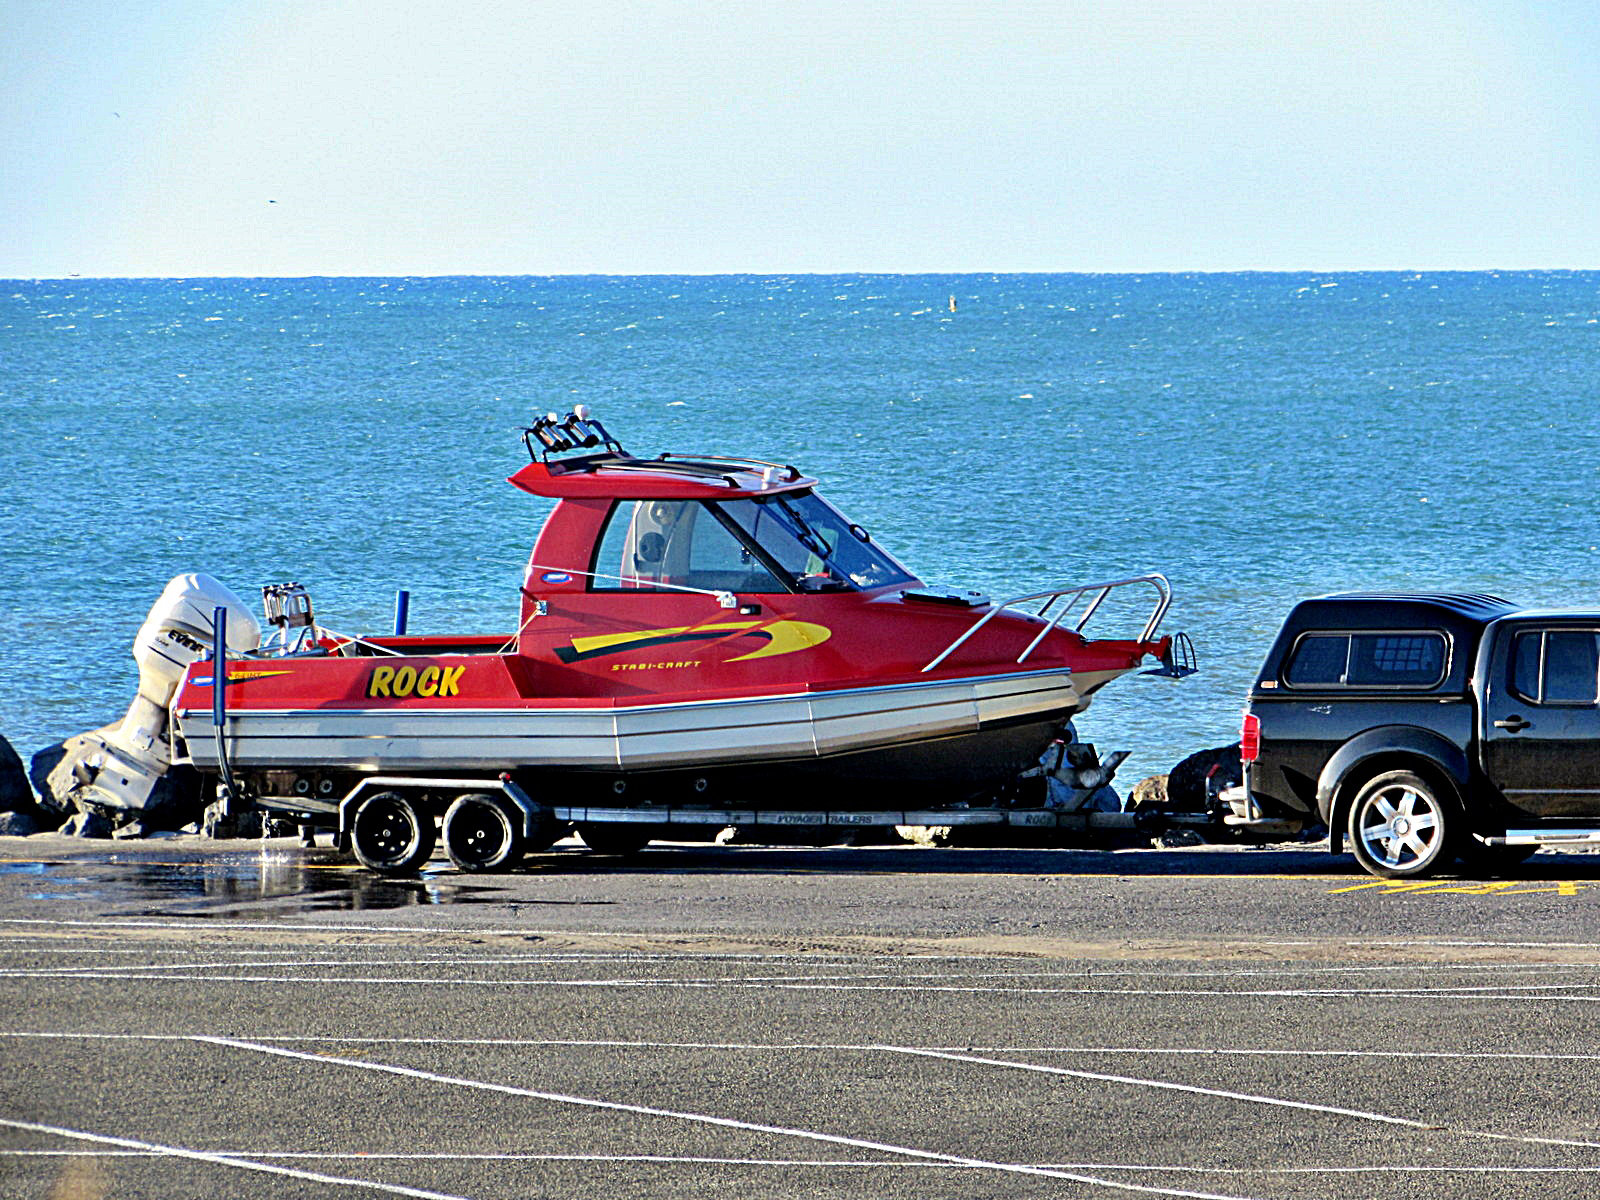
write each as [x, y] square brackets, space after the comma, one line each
[1294, 271]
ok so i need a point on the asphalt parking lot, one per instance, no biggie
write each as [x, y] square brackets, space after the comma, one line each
[186, 1018]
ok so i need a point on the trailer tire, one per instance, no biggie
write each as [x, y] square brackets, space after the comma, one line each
[483, 832]
[615, 839]
[390, 834]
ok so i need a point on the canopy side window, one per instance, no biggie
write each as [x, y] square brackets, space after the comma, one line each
[659, 545]
[1402, 659]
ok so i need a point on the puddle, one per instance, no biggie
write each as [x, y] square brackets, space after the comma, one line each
[289, 884]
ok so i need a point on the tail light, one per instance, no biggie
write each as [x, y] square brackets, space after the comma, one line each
[1250, 738]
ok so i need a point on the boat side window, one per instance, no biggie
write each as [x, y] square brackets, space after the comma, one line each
[659, 545]
[1389, 660]
[1556, 666]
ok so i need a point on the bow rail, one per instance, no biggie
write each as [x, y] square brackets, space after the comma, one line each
[1090, 595]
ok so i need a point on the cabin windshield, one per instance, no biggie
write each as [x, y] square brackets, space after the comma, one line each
[813, 544]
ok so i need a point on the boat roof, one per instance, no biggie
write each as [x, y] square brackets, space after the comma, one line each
[668, 477]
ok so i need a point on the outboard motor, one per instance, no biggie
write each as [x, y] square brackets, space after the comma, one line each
[122, 771]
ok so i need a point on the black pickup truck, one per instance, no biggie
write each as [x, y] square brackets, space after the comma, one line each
[1426, 730]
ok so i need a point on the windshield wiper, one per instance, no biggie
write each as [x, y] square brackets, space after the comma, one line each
[808, 537]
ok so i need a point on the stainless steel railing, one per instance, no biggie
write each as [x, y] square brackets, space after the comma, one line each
[1090, 595]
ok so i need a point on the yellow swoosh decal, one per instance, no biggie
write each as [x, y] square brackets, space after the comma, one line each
[787, 637]
[611, 641]
[784, 637]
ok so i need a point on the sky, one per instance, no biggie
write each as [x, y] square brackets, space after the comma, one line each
[408, 137]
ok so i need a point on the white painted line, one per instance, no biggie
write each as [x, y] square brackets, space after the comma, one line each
[876, 1164]
[285, 959]
[1164, 1085]
[685, 1159]
[1248, 1097]
[1462, 943]
[706, 1119]
[226, 1160]
[824, 1047]
[134, 970]
[1500, 993]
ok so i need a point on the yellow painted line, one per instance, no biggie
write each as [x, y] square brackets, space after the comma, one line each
[1440, 887]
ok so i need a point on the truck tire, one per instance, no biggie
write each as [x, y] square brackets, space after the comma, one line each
[1402, 827]
[615, 839]
[483, 832]
[390, 834]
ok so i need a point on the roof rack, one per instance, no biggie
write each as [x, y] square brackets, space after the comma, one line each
[578, 430]
[719, 462]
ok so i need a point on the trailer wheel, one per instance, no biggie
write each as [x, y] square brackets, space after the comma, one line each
[1401, 827]
[390, 835]
[482, 832]
[615, 839]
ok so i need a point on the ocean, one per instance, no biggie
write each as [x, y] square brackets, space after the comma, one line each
[1257, 438]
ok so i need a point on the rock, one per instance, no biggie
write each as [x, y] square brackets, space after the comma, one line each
[16, 796]
[19, 824]
[1186, 785]
[87, 825]
[175, 801]
[1150, 792]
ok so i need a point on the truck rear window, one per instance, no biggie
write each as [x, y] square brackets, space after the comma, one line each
[1405, 660]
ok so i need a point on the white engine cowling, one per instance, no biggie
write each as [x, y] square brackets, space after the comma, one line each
[179, 631]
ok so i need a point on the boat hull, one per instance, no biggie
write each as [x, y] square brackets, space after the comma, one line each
[964, 729]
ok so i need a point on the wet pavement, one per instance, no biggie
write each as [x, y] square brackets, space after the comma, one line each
[250, 1019]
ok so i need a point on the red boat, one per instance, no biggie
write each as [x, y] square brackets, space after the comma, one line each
[704, 641]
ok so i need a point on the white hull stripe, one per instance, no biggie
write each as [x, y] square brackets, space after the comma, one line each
[611, 737]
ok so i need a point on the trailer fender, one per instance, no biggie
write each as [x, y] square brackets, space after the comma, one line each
[535, 816]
